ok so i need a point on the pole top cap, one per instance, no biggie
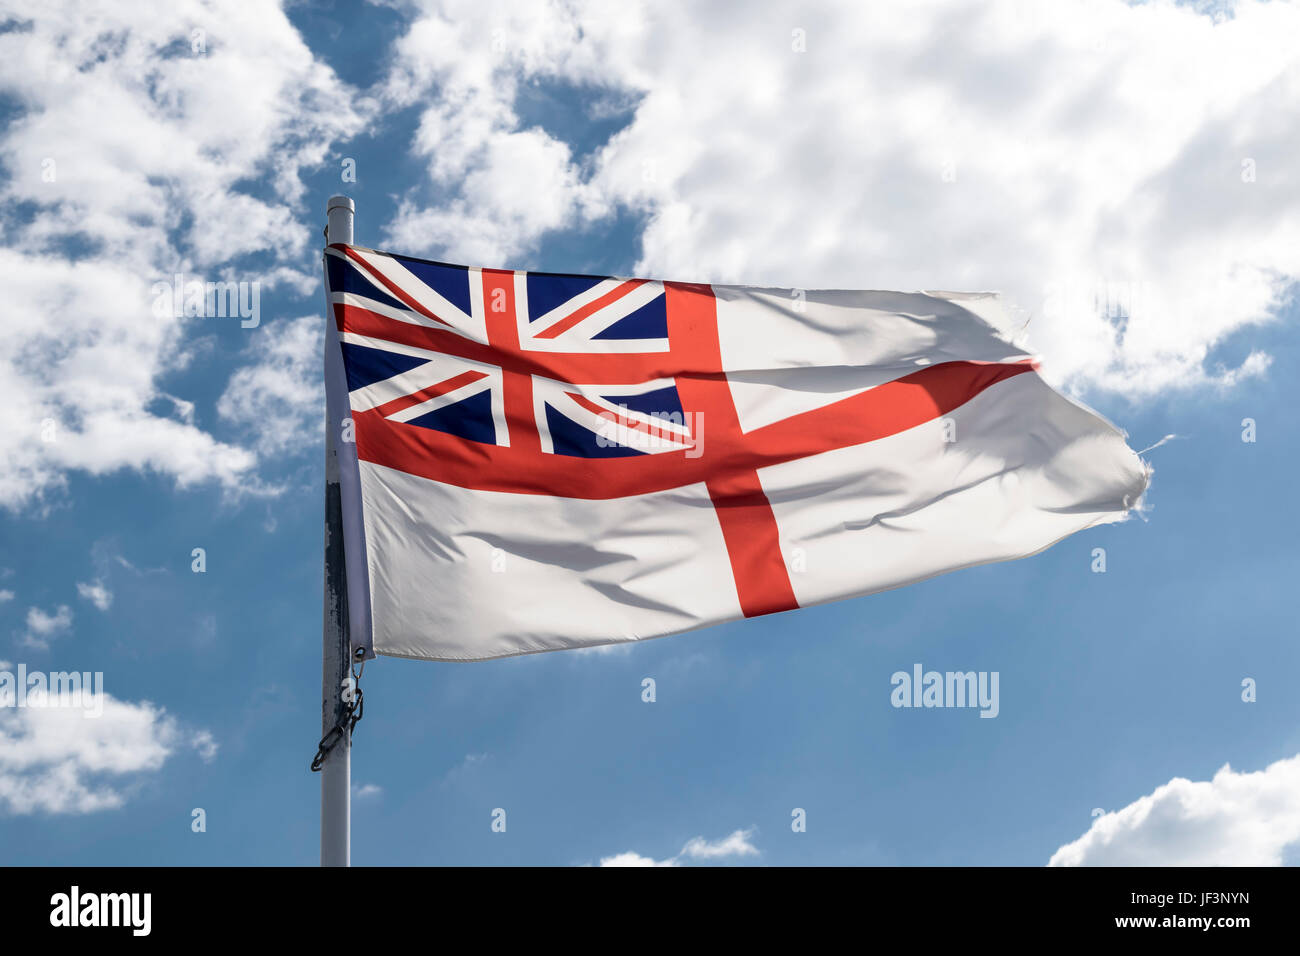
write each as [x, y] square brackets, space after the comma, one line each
[340, 202]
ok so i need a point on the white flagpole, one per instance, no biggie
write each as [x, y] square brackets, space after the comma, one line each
[336, 770]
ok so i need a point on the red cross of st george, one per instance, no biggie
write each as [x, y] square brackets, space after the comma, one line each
[729, 464]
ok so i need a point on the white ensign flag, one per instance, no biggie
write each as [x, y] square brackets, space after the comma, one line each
[545, 461]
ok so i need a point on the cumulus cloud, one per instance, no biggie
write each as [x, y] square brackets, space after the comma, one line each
[43, 628]
[1116, 169]
[129, 159]
[97, 593]
[500, 185]
[736, 844]
[57, 760]
[279, 398]
[1234, 819]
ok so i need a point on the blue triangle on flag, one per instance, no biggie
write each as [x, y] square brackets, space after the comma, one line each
[661, 401]
[570, 438]
[648, 322]
[345, 277]
[450, 282]
[469, 418]
[366, 365]
[546, 291]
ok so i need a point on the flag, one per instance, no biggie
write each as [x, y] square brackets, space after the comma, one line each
[538, 461]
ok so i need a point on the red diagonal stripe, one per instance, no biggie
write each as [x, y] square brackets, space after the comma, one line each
[424, 394]
[630, 424]
[393, 289]
[613, 295]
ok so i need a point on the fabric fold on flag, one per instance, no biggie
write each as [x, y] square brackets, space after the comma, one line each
[546, 461]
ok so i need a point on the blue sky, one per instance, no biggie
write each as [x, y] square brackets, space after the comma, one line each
[1112, 685]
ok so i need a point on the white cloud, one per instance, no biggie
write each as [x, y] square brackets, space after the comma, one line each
[501, 185]
[43, 628]
[1235, 819]
[129, 160]
[57, 760]
[205, 745]
[1117, 169]
[366, 791]
[6, 595]
[633, 859]
[97, 593]
[279, 398]
[736, 844]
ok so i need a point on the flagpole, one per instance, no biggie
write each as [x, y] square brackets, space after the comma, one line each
[336, 770]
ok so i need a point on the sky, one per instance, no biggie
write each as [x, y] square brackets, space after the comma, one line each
[1122, 172]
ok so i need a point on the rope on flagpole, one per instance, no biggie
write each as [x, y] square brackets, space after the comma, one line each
[352, 712]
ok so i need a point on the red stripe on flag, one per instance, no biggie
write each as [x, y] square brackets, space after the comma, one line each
[613, 295]
[516, 386]
[745, 515]
[424, 394]
[443, 457]
[589, 368]
[392, 288]
[878, 412]
[656, 431]
[753, 541]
